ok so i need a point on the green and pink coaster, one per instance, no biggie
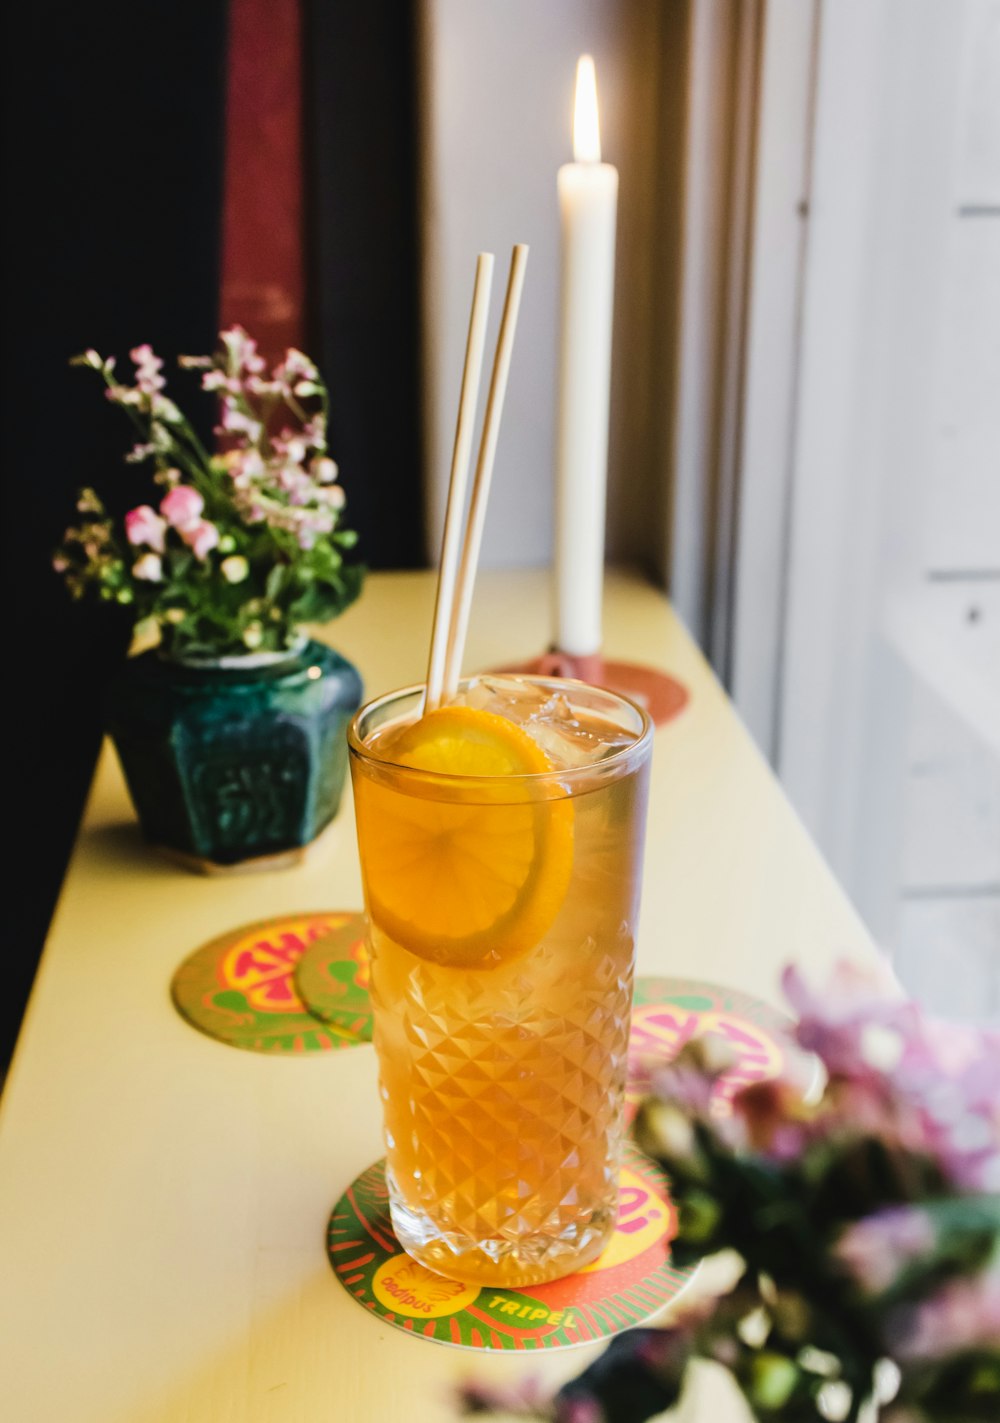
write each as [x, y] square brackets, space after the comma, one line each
[629, 1283]
[332, 979]
[242, 988]
[634, 1279]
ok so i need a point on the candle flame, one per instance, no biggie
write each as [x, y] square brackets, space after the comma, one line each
[586, 127]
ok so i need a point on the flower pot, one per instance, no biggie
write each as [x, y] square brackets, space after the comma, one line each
[236, 762]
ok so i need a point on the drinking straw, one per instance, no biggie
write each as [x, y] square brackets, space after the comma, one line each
[462, 596]
[458, 482]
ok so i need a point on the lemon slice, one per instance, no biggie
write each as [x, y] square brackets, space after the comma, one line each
[468, 884]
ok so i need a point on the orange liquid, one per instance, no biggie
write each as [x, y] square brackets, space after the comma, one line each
[503, 1086]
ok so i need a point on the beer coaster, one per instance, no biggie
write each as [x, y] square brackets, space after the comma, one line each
[669, 1012]
[631, 1282]
[240, 988]
[332, 977]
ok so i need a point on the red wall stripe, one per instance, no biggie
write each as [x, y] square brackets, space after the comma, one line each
[263, 267]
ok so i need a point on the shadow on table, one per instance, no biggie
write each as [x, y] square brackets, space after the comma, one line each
[123, 842]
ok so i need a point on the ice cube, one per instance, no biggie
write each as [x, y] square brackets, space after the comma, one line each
[569, 736]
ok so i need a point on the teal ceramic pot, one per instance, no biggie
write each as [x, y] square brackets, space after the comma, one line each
[236, 759]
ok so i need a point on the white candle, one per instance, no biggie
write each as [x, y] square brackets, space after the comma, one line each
[588, 200]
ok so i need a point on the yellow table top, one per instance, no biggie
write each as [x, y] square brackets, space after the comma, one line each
[163, 1198]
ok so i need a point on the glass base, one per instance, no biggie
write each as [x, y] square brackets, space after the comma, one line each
[504, 1261]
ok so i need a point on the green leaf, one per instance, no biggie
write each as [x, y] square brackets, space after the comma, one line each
[276, 580]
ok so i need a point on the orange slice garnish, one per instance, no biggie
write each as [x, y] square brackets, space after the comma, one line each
[471, 882]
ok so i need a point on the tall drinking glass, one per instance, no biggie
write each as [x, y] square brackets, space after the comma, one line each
[501, 850]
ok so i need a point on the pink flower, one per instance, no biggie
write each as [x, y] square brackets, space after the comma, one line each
[767, 1119]
[940, 1095]
[292, 446]
[963, 1314]
[236, 421]
[952, 1071]
[579, 1410]
[200, 537]
[148, 367]
[242, 350]
[140, 452]
[836, 1023]
[295, 367]
[123, 395]
[874, 1251]
[143, 525]
[182, 507]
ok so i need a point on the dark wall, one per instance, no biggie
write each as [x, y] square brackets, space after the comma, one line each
[363, 261]
[112, 178]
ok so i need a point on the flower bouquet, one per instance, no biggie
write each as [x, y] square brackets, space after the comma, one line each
[244, 546]
[229, 722]
[863, 1230]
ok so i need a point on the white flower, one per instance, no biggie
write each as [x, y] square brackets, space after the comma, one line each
[235, 568]
[253, 635]
[324, 470]
[148, 568]
[333, 495]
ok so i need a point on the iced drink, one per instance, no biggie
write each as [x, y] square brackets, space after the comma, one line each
[501, 845]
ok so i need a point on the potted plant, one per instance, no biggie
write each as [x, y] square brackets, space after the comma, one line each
[227, 718]
[862, 1231]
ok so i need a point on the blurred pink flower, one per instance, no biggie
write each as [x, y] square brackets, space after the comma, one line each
[140, 452]
[928, 1087]
[685, 1084]
[182, 506]
[836, 1022]
[578, 1410]
[235, 420]
[292, 445]
[200, 537]
[766, 1118]
[963, 1314]
[295, 367]
[953, 1071]
[123, 395]
[143, 525]
[148, 367]
[875, 1250]
[242, 350]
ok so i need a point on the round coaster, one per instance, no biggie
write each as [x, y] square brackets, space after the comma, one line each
[629, 1283]
[240, 988]
[669, 1012]
[332, 978]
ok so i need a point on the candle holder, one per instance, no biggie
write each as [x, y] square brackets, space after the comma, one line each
[661, 695]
